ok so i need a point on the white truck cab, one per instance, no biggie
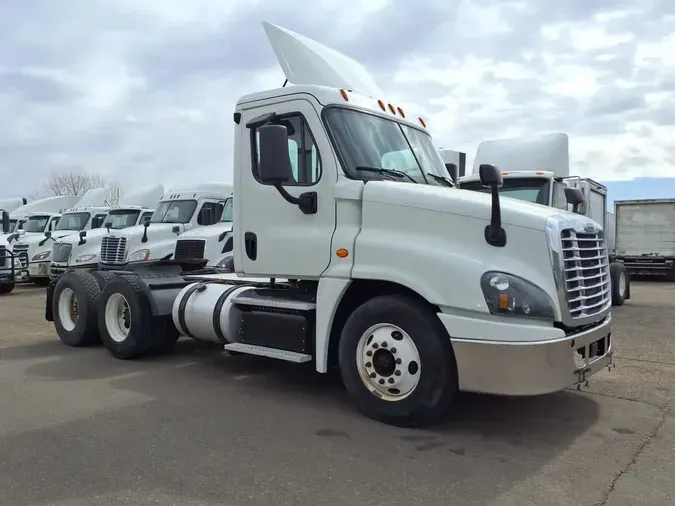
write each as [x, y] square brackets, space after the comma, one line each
[9, 205]
[214, 243]
[88, 213]
[178, 210]
[82, 250]
[537, 169]
[476, 298]
[8, 267]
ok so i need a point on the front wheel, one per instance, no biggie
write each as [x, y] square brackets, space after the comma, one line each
[397, 361]
[619, 280]
[6, 288]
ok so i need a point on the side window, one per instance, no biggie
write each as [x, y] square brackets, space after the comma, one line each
[302, 150]
[559, 198]
[99, 219]
[53, 223]
[214, 213]
[145, 217]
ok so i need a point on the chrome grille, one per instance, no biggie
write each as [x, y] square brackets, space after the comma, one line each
[585, 273]
[189, 248]
[113, 250]
[61, 252]
[4, 257]
[21, 254]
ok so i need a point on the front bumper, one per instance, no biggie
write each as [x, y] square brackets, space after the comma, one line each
[532, 367]
[38, 269]
[55, 270]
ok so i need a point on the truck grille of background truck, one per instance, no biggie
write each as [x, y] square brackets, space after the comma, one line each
[4, 257]
[113, 250]
[21, 254]
[61, 252]
[189, 248]
[586, 273]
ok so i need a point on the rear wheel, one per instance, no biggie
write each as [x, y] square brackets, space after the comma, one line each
[127, 326]
[397, 362]
[74, 306]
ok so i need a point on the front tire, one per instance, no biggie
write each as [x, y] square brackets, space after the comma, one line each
[397, 361]
[619, 278]
[6, 288]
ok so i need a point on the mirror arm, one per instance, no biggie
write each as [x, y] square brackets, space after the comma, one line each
[495, 235]
[307, 201]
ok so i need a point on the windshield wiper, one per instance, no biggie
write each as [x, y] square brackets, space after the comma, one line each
[388, 172]
[441, 179]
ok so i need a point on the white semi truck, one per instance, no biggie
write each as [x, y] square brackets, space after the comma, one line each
[8, 262]
[476, 298]
[215, 243]
[537, 169]
[88, 213]
[178, 211]
[82, 250]
[10, 204]
[645, 236]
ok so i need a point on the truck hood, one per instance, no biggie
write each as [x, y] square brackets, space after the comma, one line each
[155, 231]
[455, 201]
[207, 232]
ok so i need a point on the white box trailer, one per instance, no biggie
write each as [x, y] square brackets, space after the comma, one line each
[645, 236]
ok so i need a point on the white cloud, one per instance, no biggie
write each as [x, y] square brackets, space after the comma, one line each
[145, 89]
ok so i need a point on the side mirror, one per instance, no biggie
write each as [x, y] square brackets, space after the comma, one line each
[452, 171]
[206, 216]
[490, 176]
[48, 234]
[175, 230]
[5, 222]
[107, 224]
[275, 163]
[83, 234]
[575, 197]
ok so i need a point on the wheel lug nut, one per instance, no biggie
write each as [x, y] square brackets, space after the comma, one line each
[397, 372]
[384, 344]
[368, 364]
[391, 380]
[399, 361]
[393, 350]
[375, 345]
[381, 382]
[372, 375]
[369, 353]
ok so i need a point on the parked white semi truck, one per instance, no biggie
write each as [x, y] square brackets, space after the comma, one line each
[475, 298]
[34, 219]
[10, 204]
[8, 262]
[537, 169]
[82, 250]
[178, 210]
[88, 213]
[215, 243]
[645, 236]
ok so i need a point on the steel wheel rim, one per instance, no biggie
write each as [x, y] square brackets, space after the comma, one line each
[117, 317]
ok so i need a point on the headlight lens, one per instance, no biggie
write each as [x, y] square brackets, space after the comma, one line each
[42, 256]
[84, 258]
[141, 254]
[509, 295]
[226, 264]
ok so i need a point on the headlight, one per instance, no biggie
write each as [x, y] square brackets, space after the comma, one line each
[226, 263]
[509, 295]
[141, 254]
[84, 258]
[41, 256]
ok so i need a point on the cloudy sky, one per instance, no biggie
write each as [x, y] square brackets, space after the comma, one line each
[145, 89]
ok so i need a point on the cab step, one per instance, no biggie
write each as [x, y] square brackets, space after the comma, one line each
[263, 351]
[273, 302]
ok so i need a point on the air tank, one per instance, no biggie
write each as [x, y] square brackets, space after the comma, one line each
[202, 311]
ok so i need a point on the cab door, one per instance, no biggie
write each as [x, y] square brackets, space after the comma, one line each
[275, 238]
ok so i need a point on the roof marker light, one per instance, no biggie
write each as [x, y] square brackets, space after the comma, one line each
[392, 109]
[343, 92]
[422, 122]
[381, 104]
[400, 111]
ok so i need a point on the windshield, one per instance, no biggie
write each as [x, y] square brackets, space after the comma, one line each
[121, 219]
[36, 223]
[175, 211]
[73, 221]
[533, 189]
[366, 140]
[226, 217]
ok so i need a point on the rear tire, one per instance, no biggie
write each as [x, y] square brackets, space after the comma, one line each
[619, 279]
[74, 306]
[6, 288]
[126, 323]
[414, 384]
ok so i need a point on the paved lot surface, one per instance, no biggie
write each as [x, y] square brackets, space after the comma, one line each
[198, 427]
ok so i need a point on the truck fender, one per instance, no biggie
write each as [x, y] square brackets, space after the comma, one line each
[328, 297]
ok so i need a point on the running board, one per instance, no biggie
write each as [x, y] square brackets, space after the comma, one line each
[262, 351]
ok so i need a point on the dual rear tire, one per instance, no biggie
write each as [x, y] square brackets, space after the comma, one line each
[90, 307]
